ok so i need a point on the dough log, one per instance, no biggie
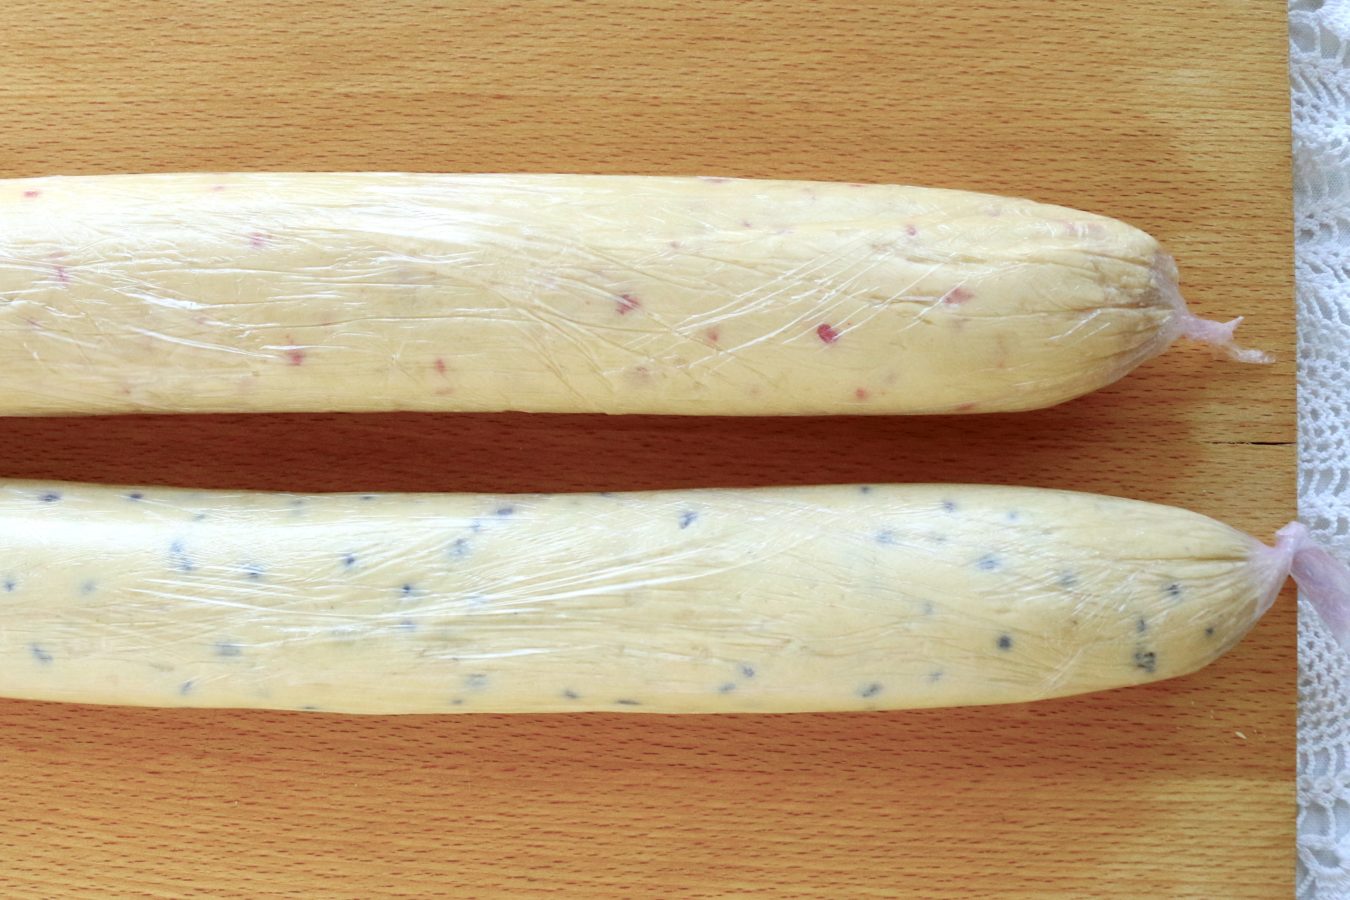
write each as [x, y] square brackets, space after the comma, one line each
[764, 600]
[560, 293]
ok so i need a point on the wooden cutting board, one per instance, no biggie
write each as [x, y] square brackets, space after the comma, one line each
[1171, 115]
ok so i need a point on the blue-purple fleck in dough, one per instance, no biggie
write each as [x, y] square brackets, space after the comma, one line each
[185, 688]
[1005, 642]
[228, 648]
[88, 586]
[989, 563]
[626, 702]
[870, 690]
[571, 694]
[42, 656]
[687, 518]
[179, 559]
[49, 496]
[726, 687]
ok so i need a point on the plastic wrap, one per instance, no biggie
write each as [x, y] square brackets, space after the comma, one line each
[763, 600]
[558, 293]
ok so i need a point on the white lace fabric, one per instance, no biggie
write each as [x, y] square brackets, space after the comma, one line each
[1320, 80]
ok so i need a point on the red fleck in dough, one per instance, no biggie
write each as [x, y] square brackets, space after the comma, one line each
[627, 303]
[32, 195]
[827, 333]
[713, 334]
[957, 296]
[439, 366]
[862, 393]
[295, 357]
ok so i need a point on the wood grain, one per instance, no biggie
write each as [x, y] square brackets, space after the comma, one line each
[1171, 116]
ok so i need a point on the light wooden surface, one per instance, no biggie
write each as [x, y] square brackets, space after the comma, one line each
[1170, 115]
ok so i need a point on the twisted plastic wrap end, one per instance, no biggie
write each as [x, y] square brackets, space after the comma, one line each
[1218, 335]
[1321, 577]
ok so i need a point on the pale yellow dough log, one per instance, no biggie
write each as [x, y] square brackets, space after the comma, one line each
[562, 293]
[770, 600]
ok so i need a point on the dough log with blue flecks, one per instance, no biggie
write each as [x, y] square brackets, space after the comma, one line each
[704, 601]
